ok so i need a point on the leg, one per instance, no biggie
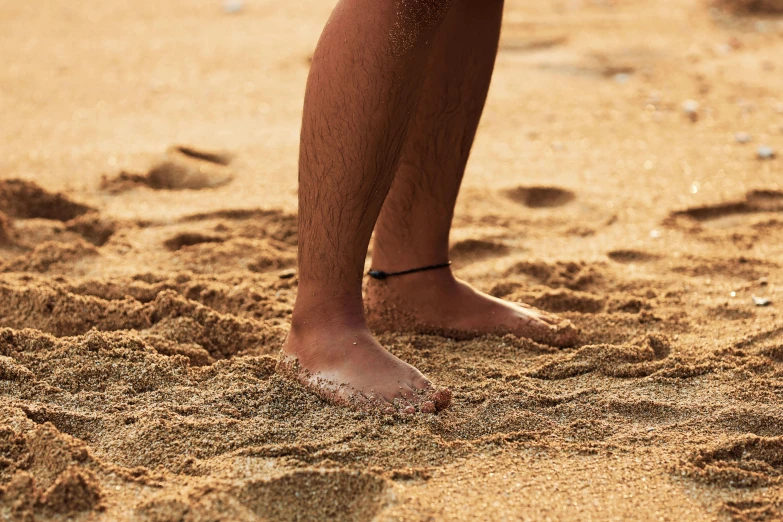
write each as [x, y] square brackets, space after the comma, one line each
[413, 227]
[363, 88]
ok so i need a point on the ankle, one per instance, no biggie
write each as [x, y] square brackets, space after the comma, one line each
[317, 311]
[396, 256]
[439, 280]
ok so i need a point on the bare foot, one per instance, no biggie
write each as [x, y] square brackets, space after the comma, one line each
[342, 362]
[437, 302]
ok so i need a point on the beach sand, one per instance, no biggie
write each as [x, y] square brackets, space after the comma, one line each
[147, 256]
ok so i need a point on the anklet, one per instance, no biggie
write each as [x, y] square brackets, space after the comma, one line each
[380, 274]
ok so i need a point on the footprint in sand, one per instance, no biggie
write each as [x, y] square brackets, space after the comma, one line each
[540, 197]
[632, 256]
[524, 45]
[251, 223]
[547, 55]
[472, 250]
[758, 7]
[93, 228]
[317, 495]
[240, 239]
[565, 300]
[728, 214]
[564, 274]
[6, 230]
[81, 426]
[748, 461]
[187, 239]
[597, 69]
[31, 215]
[740, 420]
[300, 495]
[640, 358]
[544, 49]
[759, 508]
[183, 168]
[220, 158]
[52, 256]
[495, 416]
[21, 199]
[58, 476]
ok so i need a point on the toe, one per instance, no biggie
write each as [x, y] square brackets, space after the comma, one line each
[534, 328]
[419, 382]
[535, 314]
[376, 401]
[547, 318]
[359, 401]
[566, 335]
[352, 398]
[441, 399]
[428, 407]
[547, 328]
[408, 394]
[407, 409]
[403, 405]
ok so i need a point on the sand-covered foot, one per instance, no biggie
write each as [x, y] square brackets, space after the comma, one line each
[344, 364]
[437, 302]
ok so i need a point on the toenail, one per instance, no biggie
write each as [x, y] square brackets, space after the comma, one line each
[409, 410]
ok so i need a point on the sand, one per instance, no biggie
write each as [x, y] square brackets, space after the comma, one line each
[147, 255]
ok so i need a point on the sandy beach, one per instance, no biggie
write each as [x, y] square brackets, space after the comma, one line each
[627, 175]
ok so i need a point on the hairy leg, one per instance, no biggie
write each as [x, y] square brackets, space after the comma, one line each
[363, 87]
[414, 223]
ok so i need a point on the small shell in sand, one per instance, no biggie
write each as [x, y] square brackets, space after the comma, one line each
[761, 301]
[765, 152]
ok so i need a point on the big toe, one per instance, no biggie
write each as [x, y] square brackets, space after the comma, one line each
[548, 329]
[548, 318]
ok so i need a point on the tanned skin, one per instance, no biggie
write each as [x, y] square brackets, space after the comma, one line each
[394, 97]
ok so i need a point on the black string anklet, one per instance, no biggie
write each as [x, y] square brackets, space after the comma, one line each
[380, 274]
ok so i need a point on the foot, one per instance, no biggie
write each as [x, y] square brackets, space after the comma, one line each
[437, 302]
[342, 362]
